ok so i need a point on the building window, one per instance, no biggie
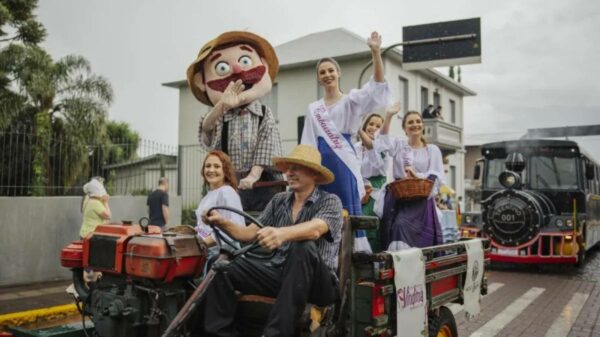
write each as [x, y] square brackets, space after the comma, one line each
[436, 99]
[271, 101]
[404, 93]
[424, 98]
[452, 174]
[452, 112]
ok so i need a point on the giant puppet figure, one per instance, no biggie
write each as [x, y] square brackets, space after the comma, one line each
[231, 73]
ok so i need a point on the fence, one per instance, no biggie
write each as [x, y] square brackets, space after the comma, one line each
[31, 166]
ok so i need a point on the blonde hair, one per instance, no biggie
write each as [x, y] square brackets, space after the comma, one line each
[412, 112]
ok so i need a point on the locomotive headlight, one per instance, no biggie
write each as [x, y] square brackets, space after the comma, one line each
[509, 179]
[559, 222]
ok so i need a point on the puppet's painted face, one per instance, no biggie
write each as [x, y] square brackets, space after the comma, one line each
[231, 64]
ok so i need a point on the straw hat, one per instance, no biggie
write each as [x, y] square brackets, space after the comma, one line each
[309, 157]
[262, 46]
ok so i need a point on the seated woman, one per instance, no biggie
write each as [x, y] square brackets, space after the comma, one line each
[411, 223]
[219, 177]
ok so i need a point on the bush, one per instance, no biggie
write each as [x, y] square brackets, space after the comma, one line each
[188, 216]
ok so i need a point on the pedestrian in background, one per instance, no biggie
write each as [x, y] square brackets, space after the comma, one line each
[158, 204]
[428, 112]
[95, 207]
[437, 113]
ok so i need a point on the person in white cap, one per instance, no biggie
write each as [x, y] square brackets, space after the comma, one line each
[95, 207]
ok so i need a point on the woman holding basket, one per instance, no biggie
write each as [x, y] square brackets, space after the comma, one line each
[410, 222]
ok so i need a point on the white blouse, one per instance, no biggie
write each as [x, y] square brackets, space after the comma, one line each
[374, 162]
[222, 196]
[349, 111]
[426, 160]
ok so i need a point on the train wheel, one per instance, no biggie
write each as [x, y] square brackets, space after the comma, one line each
[442, 325]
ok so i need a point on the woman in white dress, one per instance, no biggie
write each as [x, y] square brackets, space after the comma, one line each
[411, 223]
[333, 120]
[219, 177]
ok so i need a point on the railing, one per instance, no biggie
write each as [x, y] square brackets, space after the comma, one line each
[443, 134]
[30, 166]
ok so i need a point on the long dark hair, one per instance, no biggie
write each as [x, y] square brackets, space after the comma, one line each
[412, 112]
[228, 170]
[367, 120]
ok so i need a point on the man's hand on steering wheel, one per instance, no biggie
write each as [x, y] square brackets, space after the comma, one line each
[271, 237]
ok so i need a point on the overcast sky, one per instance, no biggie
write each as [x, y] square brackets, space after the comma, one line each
[540, 58]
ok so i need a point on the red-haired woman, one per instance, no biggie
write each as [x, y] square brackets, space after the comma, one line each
[219, 176]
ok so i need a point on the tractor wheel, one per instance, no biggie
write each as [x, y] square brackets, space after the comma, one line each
[442, 325]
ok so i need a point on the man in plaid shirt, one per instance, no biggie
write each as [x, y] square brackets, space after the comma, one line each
[231, 73]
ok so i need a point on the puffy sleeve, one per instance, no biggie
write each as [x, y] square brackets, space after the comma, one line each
[396, 148]
[268, 142]
[371, 97]
[375, 160]
[436, 168]
[308, 133]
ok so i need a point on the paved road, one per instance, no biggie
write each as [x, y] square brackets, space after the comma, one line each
[544, 301]
[547, 301]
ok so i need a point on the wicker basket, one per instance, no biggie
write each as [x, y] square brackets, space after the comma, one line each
[411, 188]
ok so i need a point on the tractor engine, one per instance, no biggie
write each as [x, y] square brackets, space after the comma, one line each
[146, 276]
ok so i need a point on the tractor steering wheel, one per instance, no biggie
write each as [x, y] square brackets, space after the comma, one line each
[247, 249]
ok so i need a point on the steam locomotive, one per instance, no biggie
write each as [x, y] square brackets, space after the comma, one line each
[540, 201]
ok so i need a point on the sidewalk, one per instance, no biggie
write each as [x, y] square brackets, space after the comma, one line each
[35, 304]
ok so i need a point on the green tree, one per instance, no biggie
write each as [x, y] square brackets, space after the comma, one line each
[63, 101]
[17, 25]
[123, 142]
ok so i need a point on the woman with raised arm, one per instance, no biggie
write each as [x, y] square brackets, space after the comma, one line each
[374, 160]
[333, 120]
[412, 223]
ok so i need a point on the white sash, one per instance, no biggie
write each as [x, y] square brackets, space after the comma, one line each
[324, 127]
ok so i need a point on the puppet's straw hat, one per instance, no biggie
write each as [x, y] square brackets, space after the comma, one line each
[307, 156]
[262, 46]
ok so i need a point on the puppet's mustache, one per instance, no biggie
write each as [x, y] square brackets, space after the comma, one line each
[248, 77]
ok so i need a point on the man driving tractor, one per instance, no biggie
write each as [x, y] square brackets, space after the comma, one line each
[304, 227]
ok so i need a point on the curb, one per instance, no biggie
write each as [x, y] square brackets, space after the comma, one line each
[33, 316]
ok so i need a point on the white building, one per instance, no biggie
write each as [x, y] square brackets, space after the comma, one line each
[296, 86]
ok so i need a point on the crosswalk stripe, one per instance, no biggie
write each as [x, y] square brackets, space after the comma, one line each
[562, 325]
[493, 326]
[492, 287]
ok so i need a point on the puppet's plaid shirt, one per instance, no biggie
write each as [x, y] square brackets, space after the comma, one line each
[247, 144]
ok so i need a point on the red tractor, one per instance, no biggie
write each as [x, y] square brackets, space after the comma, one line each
[150, 284]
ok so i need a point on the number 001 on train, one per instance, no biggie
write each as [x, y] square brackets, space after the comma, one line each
[540, 201]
